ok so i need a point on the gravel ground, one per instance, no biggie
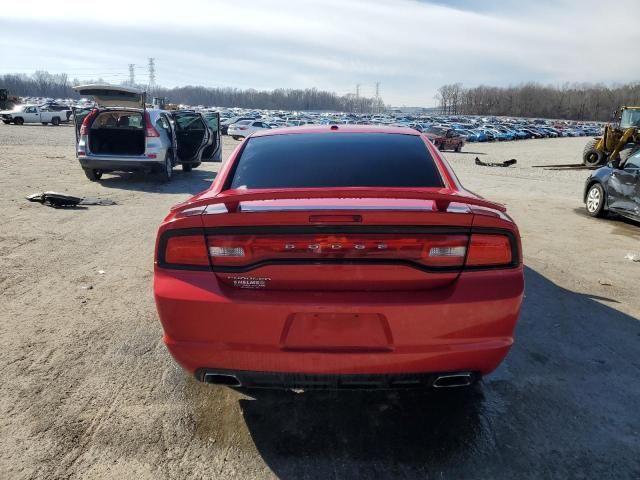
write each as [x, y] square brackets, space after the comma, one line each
[89, 391]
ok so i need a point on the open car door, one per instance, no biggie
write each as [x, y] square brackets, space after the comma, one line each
[193, 136]
[213, 153]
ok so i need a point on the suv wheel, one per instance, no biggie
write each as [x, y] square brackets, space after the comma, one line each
[166, 170]
[93, 174]
[55, 121]
[595, 201]
[187, 167]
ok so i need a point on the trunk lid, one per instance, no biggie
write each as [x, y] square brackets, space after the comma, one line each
[113, 95]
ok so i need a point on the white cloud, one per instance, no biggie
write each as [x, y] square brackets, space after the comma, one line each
[411, 47]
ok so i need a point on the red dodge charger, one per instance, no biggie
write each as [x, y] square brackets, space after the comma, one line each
[338, 257]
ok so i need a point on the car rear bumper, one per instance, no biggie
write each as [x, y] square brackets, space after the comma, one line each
[467, 326]
[286, 380]
[104, 162]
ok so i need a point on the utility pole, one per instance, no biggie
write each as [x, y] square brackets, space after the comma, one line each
[132, 74]
[357, 97]
[377, 107]
[152, 73]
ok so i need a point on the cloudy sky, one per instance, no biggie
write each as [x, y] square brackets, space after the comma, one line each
[411, 47]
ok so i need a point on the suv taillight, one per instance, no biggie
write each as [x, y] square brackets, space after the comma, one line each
[150, 130]
[86, 123]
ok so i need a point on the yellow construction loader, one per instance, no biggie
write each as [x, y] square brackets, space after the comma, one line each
[618, 142]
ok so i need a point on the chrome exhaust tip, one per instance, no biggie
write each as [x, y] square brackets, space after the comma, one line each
[222, 379]
[453, 380]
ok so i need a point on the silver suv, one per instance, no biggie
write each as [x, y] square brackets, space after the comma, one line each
[121, 134]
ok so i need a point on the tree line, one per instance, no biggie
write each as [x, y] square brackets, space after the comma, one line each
[576, 101]
[45, 84]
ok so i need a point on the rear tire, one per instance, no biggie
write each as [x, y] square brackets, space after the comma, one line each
[187, 167]
[45, 123]
[166, 170]
[93, 174]
[18, 121]
[592, 157]
[235, 137]
[595, 201]
[458, 148]
[55, 121]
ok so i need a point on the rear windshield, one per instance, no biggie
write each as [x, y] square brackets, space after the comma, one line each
[118, 119]
[335, 160]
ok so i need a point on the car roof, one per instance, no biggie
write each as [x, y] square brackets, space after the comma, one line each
[333, 129]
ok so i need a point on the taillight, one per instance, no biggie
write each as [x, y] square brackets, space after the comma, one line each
[150, 129]
[86, 123]
[186, 250]
[487, 250]
[429, 250]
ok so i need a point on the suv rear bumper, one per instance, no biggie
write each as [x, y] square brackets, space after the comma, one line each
[119, 163]
[467, 326]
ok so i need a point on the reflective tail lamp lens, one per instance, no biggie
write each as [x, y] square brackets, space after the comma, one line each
[489, 250]
[429, 250]
[437, 251]
[186, 250]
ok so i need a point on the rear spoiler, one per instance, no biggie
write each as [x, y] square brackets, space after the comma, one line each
[441, 198]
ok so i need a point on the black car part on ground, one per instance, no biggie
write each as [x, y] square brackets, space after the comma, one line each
[62, 200]
[506, 163]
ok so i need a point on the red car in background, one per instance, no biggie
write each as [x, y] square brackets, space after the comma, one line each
[445, 138]
[338, 257]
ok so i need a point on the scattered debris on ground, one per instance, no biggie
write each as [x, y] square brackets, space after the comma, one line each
[506, 163]
[62, 200]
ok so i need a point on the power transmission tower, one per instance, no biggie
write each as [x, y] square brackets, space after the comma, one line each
[132, 74]
[152, 73]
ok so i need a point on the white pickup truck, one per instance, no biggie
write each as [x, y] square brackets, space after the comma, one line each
[34, 114]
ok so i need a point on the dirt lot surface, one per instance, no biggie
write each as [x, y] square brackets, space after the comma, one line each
[89, 391]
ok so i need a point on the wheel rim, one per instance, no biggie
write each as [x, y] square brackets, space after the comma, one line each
[593, 200]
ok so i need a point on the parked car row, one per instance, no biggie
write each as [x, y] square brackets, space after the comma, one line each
[472, 128]
[465, 128]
